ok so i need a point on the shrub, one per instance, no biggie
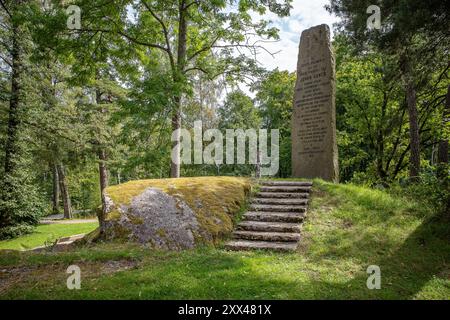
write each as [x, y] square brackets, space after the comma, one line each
[10, 232]
[432, 190]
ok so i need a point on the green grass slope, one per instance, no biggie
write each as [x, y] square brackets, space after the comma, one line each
[348, 228]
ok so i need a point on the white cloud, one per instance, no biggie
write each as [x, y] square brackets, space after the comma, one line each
[294, 24]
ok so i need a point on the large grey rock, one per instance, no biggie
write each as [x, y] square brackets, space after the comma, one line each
[156, 219]
[314, 147]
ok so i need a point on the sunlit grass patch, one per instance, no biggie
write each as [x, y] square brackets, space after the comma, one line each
[46, 234]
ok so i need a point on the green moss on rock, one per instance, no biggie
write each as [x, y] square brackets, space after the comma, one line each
[135, 220]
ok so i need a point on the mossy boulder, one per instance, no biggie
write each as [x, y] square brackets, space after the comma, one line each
[174, 213]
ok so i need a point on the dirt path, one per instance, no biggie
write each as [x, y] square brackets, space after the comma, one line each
[72, 221]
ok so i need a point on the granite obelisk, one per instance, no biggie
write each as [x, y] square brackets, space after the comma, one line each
[314, 147]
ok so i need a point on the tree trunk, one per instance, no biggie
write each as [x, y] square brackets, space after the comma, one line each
[442, 171]
[11, 145]
[380, 143]
[181, 61]
[103, 184]
[55, 198]
[443, 144]
[414, 166]
[176, 148]
[64, 192]
[414, 137]
[258, 165]
[102, 168]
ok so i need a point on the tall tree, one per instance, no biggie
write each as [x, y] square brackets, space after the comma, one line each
[92, 59]
[192, 36]
[274, 94]
[106, 92]
[239, 112]
[19, 206]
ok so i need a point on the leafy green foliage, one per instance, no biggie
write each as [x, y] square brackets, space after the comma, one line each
[373, 132]
[238, 112]
[20, 197]
[274, 98]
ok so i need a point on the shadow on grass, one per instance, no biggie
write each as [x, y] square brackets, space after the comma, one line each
[423, 256]
[215, 274]
[372, 227]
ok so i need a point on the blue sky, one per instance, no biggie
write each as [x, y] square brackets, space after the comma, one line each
[304, 14]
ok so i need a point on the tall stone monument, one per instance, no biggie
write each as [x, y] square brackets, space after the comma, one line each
[314, 147]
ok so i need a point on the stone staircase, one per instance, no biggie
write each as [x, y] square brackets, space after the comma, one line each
[275, 217]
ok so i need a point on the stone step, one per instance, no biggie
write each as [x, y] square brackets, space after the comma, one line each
[282, 195]
[269, 226]
[274, 216]
[263, 245]
[286, 183]
[277, 208]
[284, 189]
[279, 201]
[267, 236]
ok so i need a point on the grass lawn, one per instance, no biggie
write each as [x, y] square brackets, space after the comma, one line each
[348, 228]
[47, 233]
